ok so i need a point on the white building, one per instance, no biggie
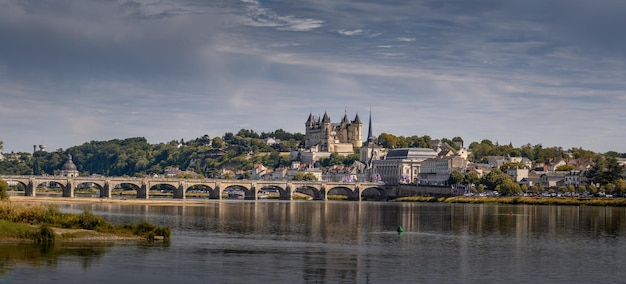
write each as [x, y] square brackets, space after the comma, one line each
[401, 166]
[436, 171]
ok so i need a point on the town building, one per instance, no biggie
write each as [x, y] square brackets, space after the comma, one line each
[575, 178]
[401, 166]
[517, 174]
[436, 171]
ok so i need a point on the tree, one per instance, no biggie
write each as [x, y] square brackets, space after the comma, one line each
[471, 178]
[304, 176]
[458, 139]
[604, 170]
[217, 143]
[564, 168]
[455, 178]
[388, 141]
[524, 188]
[4, 187]
[496, 178]
[1, 145]
[509, 187]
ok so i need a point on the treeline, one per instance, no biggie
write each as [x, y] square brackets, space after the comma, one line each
[207, 156]
[136, 157]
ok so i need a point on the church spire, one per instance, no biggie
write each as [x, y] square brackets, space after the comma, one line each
[370, 138]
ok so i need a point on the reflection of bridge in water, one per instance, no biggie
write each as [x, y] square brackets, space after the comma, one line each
[319, 190]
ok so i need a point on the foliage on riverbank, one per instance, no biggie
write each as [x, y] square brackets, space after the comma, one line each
[618, 202]
[36, 222]
[419, 199]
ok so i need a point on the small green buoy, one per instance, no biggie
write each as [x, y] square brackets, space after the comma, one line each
[400, 229]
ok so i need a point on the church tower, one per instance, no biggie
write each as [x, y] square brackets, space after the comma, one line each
[370, 150]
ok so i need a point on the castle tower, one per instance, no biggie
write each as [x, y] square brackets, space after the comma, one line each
[325, 136]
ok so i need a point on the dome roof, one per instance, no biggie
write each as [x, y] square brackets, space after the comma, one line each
[69, 165]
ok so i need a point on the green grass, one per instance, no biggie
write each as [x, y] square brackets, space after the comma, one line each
[617, 202]
[11, 230]
[34, 222]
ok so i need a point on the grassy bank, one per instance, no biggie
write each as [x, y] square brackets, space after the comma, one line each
[618, 202]
[45, 223]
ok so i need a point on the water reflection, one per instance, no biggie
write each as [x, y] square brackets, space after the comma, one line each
[38, 255]
[295, 242]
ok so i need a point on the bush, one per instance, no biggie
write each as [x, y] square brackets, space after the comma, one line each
[44, 235]
[3, 190]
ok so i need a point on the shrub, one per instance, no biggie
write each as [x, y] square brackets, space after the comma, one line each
[44, 235]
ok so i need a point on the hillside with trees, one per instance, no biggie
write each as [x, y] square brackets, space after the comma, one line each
[206, 156]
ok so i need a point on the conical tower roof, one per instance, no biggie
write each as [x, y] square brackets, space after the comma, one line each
[326, 119]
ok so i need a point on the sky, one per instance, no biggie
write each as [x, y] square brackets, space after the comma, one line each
[549, 72]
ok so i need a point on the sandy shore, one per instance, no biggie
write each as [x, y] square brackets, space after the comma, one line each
[133, 201]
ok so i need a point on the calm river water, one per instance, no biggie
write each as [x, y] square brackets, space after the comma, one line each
[340, 242]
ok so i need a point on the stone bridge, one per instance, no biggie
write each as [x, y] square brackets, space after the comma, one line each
[319, 190]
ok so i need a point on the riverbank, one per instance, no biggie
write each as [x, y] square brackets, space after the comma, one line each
[617, 202]
[41, 221]
[90, 200]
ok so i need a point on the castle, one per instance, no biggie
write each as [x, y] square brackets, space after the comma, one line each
[324, 136]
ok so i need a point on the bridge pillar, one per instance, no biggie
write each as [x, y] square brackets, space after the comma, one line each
[106, 190]
[252, 195]
[68, 190]
[288, 193]
[323, 192]
[215, 193]
[30, 188]
[357, 193]
[179, 193]
[142, 192]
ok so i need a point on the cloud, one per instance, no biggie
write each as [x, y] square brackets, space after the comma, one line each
[259, 16]
[405, 39]
[504, 71]
[350, 32]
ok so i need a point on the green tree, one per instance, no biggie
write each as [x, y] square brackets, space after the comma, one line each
[565, 168]
[524, 188]
[455, 178]
[304, 176]
[4, 187]
[471, 178]
[458, 139]
[217, 143]
[497, 178]
[508, 187]
[388, 141]
[604, 170]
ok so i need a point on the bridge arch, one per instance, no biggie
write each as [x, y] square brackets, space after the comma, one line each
[374, 193]
[81, 186]
[314, 192]
[238, 191]
[351, 193]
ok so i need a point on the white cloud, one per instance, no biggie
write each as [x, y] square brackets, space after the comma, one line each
[350, 32]
[406, 39]
[259, 16]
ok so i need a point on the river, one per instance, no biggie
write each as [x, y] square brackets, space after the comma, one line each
[340, 242]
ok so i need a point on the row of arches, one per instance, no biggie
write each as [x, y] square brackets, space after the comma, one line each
[211, 190]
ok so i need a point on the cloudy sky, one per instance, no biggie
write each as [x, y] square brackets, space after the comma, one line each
[550, 72]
